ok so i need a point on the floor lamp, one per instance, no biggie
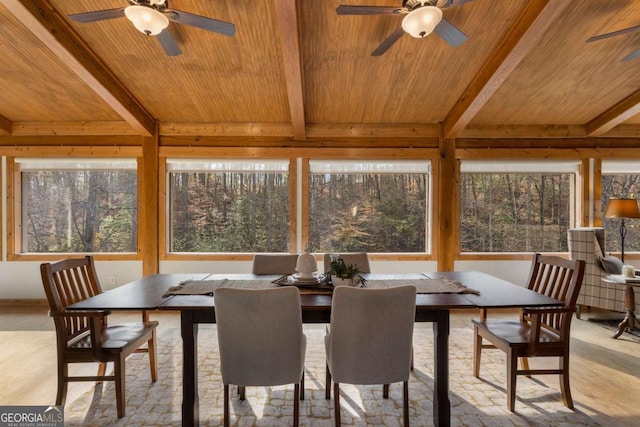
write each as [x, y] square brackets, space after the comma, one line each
[622, 208]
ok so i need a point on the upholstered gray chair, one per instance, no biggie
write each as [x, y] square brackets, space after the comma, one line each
[588, 244]
[274, 264]
[369, 339]
[260, 339]
[360, 259]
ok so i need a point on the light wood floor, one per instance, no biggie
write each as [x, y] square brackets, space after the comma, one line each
[605, 373]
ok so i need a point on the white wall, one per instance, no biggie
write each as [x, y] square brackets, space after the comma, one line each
[21, 279]
[514, 271]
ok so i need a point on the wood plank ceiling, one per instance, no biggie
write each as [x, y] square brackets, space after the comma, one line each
[297, 70]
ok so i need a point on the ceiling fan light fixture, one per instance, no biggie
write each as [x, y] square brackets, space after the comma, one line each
[146, 20]
[421, 22]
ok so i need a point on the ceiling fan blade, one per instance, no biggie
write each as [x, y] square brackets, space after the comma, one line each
[98, 15]
[366, 10]
[388, 42]
[168, 43]
[202, 22]
[454, 3]
[450, 33]
[631, 56]
[614, 33]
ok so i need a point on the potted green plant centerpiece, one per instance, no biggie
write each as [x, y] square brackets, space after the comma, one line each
[345, 274]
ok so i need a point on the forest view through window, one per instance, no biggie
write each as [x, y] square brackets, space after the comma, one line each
[374, 206]
[620, 179]
[229, 206]
[78, 205]
[516, 206]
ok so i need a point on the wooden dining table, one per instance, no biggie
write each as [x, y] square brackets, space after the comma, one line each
[149, 293]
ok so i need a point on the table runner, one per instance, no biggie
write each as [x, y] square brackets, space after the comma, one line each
[423, 286]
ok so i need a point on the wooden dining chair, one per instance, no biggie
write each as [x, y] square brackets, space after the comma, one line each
[369, 340]
[85, 336]
[540, 331]
[260, 340]
[274, 264]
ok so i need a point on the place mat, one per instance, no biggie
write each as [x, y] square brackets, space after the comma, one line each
[206, 287]
[426, 286]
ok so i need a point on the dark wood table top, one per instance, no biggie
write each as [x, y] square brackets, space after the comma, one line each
[142, 294]
[495, 292]
[148, 293]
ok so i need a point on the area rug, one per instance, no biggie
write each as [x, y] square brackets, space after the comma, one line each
[474, 402]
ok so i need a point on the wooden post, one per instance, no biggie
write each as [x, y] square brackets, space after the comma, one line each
[448, 196]
[148, 216]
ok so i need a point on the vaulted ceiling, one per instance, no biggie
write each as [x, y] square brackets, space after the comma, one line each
[296, 69]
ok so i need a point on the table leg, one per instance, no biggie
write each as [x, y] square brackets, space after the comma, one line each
[629, 321]
[441, 404]
[190, 405]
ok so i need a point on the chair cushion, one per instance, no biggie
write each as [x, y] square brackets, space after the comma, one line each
[611, 264]
[117, 337]
[515, 332]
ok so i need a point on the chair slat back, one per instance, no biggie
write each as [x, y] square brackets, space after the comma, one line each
[558, 278]
[67, 282]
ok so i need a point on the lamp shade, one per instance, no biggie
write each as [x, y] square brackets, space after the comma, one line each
[146, 20]
[422, 21]
[622, 208]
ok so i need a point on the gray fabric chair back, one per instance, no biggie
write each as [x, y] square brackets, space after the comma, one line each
[360, 259]
[274, 264]
[370, 337]
[260, 336]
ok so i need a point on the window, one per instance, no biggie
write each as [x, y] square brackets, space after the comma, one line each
[370, 206]
[516, 206]
[228, 205]
[78, 205]
[620, 179]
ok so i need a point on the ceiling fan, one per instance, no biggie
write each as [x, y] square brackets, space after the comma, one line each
[421, 18]
[151, 17]
[632, 55]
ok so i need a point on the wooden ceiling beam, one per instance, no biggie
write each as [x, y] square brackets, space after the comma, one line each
[623, 110]
[339, 130]
[289, 27]
[5, 126]
[226, 129]
[46, 23]
[522, 36]
[523, 131]
[624, 130]
[73, 128]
